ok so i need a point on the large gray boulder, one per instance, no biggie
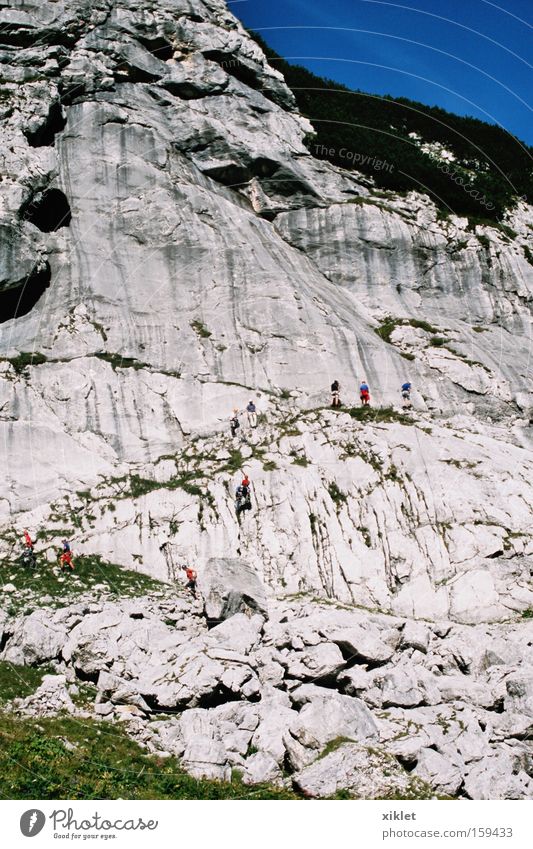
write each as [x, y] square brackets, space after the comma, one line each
[363, 772]
[35, 639]
[229, 586]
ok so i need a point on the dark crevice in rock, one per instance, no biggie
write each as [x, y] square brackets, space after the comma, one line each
[49, 211]
[220, 696]
[126, 72]
[157, 46]
[357, 659]
[155, 707]
[497, 707]
[328, 681]
[4, 638]
[19, 300]
[92, 677]
[498, 553]
[408, 762]
[234, 66]
[54, 123]
[231, 175]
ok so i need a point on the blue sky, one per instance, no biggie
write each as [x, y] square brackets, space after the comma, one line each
[477, 62]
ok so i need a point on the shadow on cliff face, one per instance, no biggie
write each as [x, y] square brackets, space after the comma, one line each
[44, 135]
[19, 300]
[49, 211]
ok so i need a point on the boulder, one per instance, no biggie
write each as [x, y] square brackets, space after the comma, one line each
[415, 635]
[315, 662]
[229, 586]
[362, 643]
[261, 767]
[439, 772]
[240, 633]
[206, 758]
[324, 715]
[364, 773]
[35, 639]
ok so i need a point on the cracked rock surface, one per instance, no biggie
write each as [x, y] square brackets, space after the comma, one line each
[169, 249]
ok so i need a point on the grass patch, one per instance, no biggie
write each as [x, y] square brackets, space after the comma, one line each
[376, 415]
[200, 329]
[118, 361]
[484, 241]
[37, 762]
[407, 356]
[437, 341]
[235, 461]
[137, 486]
[527, 614]
[300, 461]
[269, 466]
[62, 588]
[528, 254]
[365, 533]
[333, 745]
[25, 359]
[336, 494]
[19, 681]
[385, 330]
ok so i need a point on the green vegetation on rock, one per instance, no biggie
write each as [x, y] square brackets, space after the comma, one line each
[25, 359]
[19, 681]
[64, 758]
[58, 588]
[386, 329]
[371, 134]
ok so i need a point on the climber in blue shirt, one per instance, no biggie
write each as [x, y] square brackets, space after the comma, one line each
[406, 394]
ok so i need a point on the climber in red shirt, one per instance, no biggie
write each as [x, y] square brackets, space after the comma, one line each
[29, 541]
[65, 558]
[191, 579]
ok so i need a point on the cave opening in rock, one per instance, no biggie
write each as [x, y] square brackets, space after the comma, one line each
[158, 47]
[44, 135]
[231, 63]
[19, 300]
[49, 211]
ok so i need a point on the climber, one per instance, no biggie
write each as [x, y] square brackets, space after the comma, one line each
[406, 394]
[27, 557]
[245, 484]
[335, 394]
[234, 422]
[364, 394]
[191, 579]
[65, 558]
[252, 414]
[242, 498]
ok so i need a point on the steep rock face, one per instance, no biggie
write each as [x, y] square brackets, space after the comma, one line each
[197, 254]
[168, 250]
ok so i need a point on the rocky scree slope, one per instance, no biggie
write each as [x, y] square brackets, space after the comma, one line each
[168, 249]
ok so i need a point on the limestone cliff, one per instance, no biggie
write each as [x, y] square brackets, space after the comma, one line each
[169, 249]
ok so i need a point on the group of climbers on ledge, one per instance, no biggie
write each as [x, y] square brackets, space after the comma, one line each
[28, 557]
[251, 412]
[364, 394]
